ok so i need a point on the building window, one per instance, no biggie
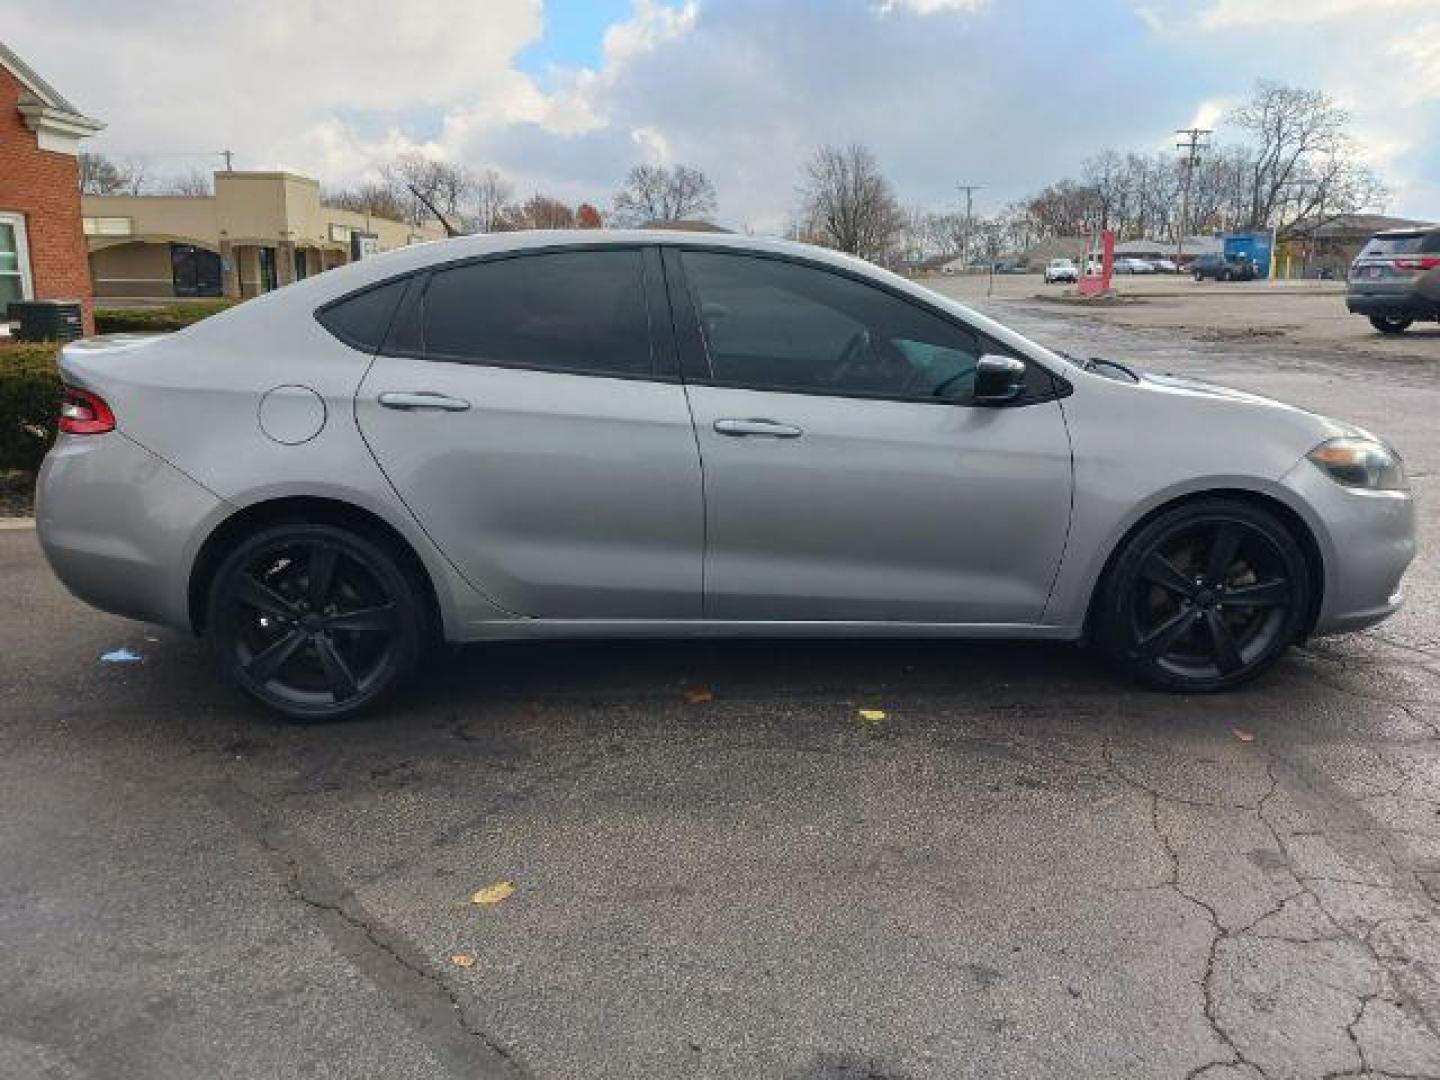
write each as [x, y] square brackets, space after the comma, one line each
[14, 261]
[109, 226]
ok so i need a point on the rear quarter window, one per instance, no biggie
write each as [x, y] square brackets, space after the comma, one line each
[361, 319]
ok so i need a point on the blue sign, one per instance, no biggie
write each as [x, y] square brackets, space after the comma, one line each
[1255, 245]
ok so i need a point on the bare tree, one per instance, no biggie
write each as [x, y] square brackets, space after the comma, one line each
[101, 176]
[845, 199]
[429, 188]
[377, 199]
[537, 212]
[1304, 163]
[655, 193]
[196, 182]
[489, 197]
[137, 176]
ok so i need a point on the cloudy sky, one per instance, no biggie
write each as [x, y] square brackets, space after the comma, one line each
[564, 95]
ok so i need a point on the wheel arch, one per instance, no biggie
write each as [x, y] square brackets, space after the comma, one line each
[308, 510]
[1293, 520]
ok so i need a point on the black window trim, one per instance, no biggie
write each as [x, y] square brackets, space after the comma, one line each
[659, 329]
[695, 363]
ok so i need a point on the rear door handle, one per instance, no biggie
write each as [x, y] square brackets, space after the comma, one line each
[422, 399]
[774, 428]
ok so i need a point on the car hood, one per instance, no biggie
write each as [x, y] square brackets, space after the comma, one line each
[1324, 427]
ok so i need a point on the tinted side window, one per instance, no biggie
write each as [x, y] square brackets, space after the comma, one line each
[581, 311]
[361, 319]
[779, 325]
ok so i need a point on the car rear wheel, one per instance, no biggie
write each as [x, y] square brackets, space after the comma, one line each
[1390, 324]
[314, 620]
[1205, 597]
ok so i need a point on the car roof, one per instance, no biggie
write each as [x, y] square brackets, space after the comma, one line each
[1401, 234]
[459, 248]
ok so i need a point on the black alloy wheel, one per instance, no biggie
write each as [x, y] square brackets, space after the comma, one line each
[1390, 324]
[1205, 597]
[316, 621]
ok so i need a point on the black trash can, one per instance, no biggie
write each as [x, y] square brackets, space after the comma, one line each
[46, 320]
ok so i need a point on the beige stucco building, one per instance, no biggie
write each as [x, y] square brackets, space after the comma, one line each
[258, 231]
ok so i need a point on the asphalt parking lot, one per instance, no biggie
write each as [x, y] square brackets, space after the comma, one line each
[1024, 868]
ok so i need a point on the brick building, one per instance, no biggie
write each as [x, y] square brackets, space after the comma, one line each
[42, 248]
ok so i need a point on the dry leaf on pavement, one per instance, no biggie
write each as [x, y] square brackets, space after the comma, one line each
[1243, 736]
[872, 716]
[696, 695]
[493, 894]
[463, 959]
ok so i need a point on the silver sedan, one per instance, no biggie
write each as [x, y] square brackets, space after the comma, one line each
[657, 434]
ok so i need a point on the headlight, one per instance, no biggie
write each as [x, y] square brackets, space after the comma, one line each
[1361, 463]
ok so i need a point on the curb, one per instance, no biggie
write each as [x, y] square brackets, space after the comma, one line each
[8, 524]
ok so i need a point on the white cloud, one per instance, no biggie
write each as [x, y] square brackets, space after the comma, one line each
[1150, 17]
[1209, 112]
[1225, 14]
[930, 7]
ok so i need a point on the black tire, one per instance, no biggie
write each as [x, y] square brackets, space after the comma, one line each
[1390, 324]
[1204, 598]
[316, 621]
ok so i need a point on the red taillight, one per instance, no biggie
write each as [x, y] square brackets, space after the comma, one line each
[1424, 262]
[84, 413]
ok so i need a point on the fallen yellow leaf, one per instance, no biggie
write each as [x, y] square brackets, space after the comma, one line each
[493, 894]
[697, 695]
[872, 716]
[1243, 736]
[463, 959]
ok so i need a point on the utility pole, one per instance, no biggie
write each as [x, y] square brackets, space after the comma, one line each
[227, 155]
[969, 190]
[1192, 145]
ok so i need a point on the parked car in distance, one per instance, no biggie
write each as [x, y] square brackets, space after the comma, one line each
[1061, 270]
[1395, 280]
[504, 437]
[1165, 266]
[1223, 268]
[1133, 266]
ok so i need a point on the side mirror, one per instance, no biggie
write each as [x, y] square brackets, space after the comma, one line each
[998, 379]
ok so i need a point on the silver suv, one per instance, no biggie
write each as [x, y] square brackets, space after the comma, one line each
[1396, 279]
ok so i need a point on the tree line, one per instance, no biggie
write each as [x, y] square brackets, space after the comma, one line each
[1289, 160]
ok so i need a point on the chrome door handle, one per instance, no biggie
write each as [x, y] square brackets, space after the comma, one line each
[773, 428]
[422, 399]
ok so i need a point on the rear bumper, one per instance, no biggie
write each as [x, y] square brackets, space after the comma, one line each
[119, 525]
[1366, 539]
[1402, 305]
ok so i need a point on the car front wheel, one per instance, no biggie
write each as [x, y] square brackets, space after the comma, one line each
[1205, 597]
[316, 621]
[1390, 324]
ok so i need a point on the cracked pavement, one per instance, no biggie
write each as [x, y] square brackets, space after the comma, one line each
[1027, 869]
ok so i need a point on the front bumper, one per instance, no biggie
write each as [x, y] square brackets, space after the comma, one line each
[1366, 540]
[119, 526]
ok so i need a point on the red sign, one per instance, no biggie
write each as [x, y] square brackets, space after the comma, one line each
[1095, 284]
